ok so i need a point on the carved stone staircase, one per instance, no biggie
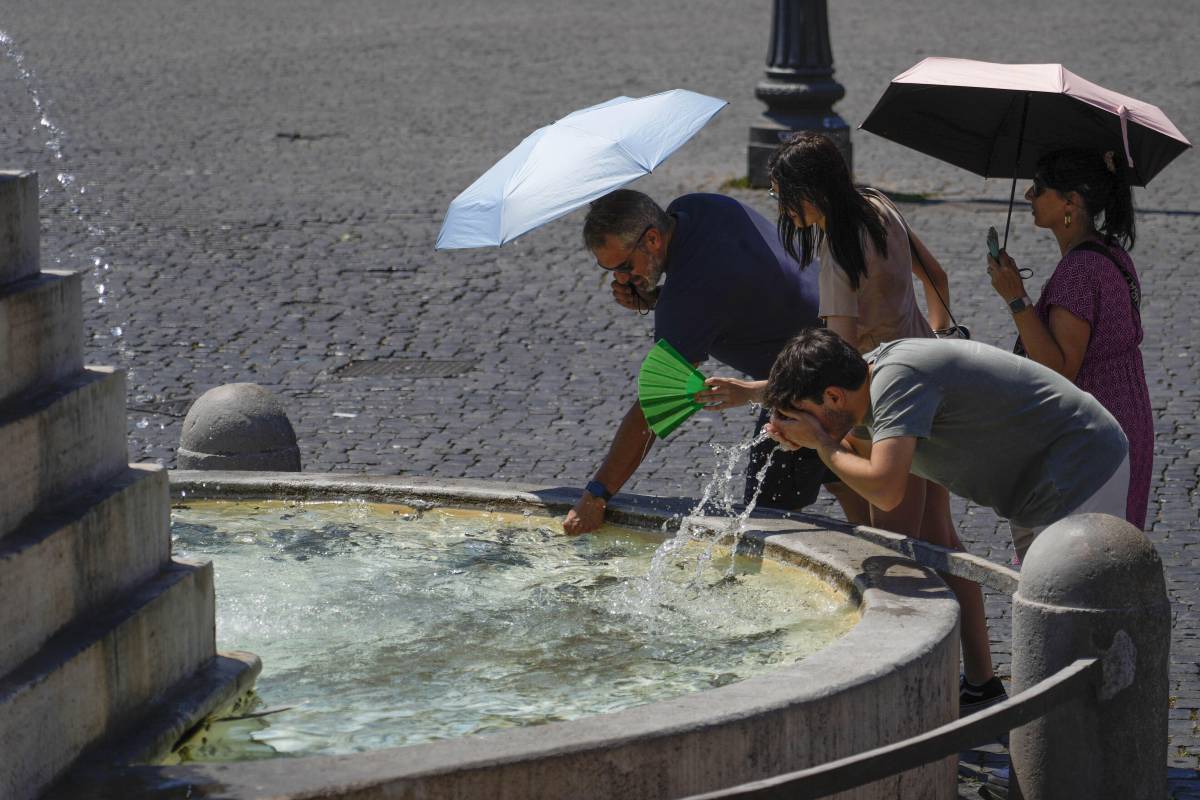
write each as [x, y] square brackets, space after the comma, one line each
[107, 648]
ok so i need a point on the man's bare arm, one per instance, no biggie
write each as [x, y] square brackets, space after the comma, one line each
[633, 440]
[881, 478]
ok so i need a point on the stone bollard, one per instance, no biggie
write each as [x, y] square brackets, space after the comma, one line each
[1093, 585]
[238, 426]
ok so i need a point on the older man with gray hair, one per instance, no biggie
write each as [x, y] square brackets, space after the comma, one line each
[728, 291]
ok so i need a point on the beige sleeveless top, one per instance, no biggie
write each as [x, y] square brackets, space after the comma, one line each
[885, 304]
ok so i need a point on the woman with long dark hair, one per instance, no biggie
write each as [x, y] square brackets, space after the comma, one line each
[868, 257]
[867, 252]
[1087, 324]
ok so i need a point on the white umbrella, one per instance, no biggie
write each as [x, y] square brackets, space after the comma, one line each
[583, 156]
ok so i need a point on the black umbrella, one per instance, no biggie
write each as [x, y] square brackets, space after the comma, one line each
[997, 120]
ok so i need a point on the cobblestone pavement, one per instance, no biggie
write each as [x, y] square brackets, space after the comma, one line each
[264, 181]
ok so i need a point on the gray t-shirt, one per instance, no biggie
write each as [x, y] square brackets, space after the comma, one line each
[995, 428]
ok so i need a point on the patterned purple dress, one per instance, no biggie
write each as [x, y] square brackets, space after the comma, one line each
[1089, 286]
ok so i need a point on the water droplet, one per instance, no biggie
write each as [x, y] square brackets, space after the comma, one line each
[100, 288]
[116, 330]
[143, 422]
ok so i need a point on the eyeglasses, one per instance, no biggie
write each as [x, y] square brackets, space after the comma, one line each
[625, 266]
[785, 209]
[1039, 186]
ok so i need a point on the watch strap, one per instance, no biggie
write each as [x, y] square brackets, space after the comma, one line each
[1019, 304]
[597, 489]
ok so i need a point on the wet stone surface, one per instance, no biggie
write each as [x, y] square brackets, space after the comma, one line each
[265, 182]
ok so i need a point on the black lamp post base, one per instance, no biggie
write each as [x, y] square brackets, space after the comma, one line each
[772, 131]
[799, 90]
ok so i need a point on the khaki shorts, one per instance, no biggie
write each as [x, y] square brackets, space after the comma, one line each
[1111, 498]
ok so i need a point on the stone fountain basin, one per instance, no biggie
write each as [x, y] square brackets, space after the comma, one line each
[892, 676]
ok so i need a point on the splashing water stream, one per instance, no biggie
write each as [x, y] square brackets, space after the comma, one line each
[718, 495]
[76, 192]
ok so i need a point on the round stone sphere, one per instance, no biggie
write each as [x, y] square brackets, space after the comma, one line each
[238, 426]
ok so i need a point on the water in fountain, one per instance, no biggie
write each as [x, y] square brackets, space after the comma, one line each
[382, 629]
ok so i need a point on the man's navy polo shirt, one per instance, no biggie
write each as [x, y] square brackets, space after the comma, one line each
[731, 292]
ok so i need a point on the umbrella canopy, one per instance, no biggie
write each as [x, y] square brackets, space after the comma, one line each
[996, 120]
[562, 166]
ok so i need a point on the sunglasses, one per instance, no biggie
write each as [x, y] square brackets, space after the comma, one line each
[625, 266]
[1039, 186]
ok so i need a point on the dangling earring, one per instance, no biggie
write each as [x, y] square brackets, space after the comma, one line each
[1067, 219]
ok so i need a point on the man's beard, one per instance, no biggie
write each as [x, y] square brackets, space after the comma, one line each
[838, 423]
[648, 290]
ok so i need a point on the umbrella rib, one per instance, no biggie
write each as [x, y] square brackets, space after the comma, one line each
[616, 141]
[510, 189]
[632, 157]
[987, 170]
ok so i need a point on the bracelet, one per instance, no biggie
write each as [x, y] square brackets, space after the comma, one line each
[597, 489]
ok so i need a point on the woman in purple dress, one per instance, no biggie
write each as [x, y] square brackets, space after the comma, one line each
[1087, 323]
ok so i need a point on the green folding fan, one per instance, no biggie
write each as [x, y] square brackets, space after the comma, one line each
[666, 385]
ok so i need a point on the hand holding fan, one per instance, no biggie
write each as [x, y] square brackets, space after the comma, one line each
[667, 385]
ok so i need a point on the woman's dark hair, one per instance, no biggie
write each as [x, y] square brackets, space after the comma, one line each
[809, 167]
[810, 363]
[1103, 190]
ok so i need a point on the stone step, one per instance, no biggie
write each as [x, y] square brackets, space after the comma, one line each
[222, 687]
[41, 332]
[101, 674]
[74, 557]
[55, 443]
[19, 225]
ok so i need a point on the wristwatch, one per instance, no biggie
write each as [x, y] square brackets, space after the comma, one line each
[597, 489]
[1020, 304]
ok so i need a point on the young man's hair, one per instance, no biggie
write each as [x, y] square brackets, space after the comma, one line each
[814, 360]
[624, 215]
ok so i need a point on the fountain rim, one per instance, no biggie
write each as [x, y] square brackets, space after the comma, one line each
[907, 616]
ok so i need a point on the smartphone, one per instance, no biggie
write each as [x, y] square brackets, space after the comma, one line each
[993, 242]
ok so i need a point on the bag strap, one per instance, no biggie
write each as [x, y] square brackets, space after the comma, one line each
[912, 248]
[1135, 294]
